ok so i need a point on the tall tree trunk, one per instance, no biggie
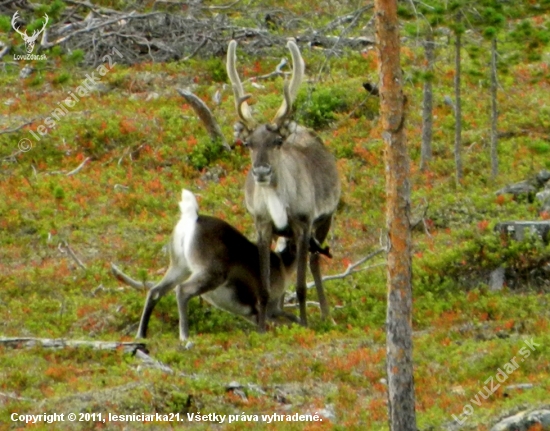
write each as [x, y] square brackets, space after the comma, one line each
[458, 109]
[427, 103]
[398, 322]
[494, 110]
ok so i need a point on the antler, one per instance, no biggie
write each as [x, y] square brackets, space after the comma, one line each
[34, 33]
[13, 21]
[290, 90]
[240, 98]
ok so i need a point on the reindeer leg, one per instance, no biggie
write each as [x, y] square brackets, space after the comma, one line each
[275, 309]
[320, 234]
[315, 267]
[286, 315]
[168, 282]
[265, 233]
[302, 235]
[197, 285]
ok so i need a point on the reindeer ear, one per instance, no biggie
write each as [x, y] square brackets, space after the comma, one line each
[288, 128]
[240, 131]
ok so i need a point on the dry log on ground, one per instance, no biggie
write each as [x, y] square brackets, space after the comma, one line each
[61, 343]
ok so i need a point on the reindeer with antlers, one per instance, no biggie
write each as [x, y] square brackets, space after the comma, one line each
[292, 188]
[29, 40]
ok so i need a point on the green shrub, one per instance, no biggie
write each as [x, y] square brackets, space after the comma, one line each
[5, 23]
[216, 69]
[76, 56]
[61, 78]
[318, 107]
[59, 193]
[205, 152]
[469, 262]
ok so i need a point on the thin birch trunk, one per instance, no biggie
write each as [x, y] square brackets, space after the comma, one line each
[427, 103]
[458, 110]
[494, 110]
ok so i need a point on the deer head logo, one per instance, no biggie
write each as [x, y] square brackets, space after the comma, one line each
[29, 40]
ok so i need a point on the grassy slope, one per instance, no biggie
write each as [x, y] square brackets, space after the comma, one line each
[121, 207]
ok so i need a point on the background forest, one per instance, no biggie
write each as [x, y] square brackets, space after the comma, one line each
[99, 184]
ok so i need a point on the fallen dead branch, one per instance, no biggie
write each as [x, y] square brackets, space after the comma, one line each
[63, 247]
[153, 363]
[15, 129]
[13, 156]
[79, 167]
[353, 268]
[61, 343]
[150, 362]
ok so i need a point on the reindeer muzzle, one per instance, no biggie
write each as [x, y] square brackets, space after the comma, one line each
[262, 174]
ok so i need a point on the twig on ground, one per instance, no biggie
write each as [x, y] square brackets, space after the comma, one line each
[13, 155]
[63, 247]
[79, 167]
[154, 363]
[15, 397]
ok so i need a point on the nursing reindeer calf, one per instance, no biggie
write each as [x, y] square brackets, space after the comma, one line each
[211, 259]
[292, 188]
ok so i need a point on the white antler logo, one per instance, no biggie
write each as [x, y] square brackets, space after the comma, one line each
[29, 40]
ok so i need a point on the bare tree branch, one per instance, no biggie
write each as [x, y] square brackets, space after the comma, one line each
[353, 268]
[197, 49]
[118, 20]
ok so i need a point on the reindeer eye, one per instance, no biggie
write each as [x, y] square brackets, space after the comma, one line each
[246, 143]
